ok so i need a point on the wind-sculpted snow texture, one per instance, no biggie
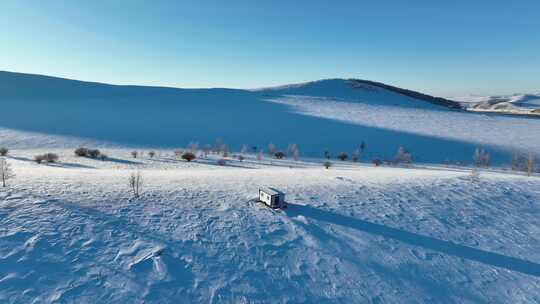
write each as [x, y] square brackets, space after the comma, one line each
[71, 233]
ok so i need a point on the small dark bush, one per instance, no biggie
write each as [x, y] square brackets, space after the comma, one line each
[85, 152]
[377, 162]
[327, 164]
[222, 162]
[103, 156]
[151, 154]
[354, 158]
[279, 155]
[47, 158]
[93, 153]
[188, 156]
[240, 158]
[134, 154]
[3, 151]
[82, 152]
[342, 156]
[51, 157]
[39, 158]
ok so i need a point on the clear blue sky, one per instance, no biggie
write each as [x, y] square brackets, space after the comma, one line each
[440, 47]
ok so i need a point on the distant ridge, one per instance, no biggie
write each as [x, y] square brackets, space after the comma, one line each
[436, 100]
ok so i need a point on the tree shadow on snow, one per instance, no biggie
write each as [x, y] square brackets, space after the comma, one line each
[430, 243]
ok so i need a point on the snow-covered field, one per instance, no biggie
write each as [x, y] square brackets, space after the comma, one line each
[72, 233]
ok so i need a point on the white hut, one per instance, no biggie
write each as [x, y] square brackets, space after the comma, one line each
[272, 197]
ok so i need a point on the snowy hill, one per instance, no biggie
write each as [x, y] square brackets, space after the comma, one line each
[334, 115]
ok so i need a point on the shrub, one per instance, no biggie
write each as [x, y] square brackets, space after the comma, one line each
[279, 155]
[39, 158]
[93, 153]
[3, 151]
[188, 156]
[103, 156]
[377, 162]
[47, 158]
[327, 164]
[134, 154]
[82, 152]
[85, 152]
[51, 157]
[342, 156]
[240, 158]
[151, 154]
[222, 162]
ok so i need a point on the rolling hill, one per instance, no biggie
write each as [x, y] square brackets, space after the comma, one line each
[333, 114]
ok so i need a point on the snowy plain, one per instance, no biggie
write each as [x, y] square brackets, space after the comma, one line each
[72, 233]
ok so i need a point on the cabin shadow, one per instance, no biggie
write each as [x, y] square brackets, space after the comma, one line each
[426, 242]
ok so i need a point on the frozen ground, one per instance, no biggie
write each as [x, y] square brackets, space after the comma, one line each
[71, 233]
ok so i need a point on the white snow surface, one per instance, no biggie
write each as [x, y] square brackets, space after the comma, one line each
[71, 233]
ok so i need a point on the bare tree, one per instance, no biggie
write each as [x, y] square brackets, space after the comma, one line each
[136, 183]
[225, 150]
[6, 172]
[271, 149]
[218, 145]
[355, 155]
[296, 153]
[530, 163]
[206, 150]
[193, 146]
[481, 158]
[403, 156]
